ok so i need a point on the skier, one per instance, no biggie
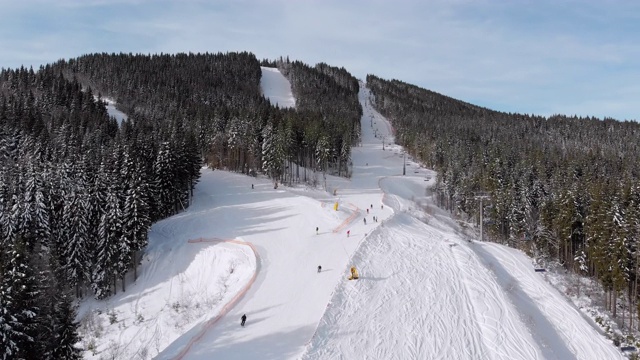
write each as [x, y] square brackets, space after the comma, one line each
[371, 206]
[251, 186]
[316, 230]
[367, 211]
[348, 232]
[365, 220]
[319, 268]
[244, 319]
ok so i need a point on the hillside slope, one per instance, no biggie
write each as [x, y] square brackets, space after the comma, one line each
[425, 291]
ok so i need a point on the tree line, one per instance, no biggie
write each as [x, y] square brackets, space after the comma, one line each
[562, 188]
[77, 196]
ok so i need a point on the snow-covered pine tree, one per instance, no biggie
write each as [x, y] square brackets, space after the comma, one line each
[254, 156]
[33, 213]
[595, 230]
[281, 144]
[619, 258]
[345, 155]
[74, 242]
[235, 140]
[269, 158]
[187, 170]
[136, 218]
[18, 313]
[98, 198]
[57, 331]
[285, 149]
[7, 222]
[108, 257]
[64, 332]
[516, 211]
[193, 162]
[218, 142]
[163, 170]
[323, 153]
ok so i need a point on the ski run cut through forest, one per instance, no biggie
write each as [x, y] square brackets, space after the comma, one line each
[282, 256]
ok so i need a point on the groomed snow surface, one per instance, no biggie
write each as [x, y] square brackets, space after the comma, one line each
[427, 289]
[276, 88]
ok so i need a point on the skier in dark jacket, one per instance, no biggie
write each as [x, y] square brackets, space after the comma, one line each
[244, 319]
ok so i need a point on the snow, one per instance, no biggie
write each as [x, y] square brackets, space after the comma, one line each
[427, 289]
[113, 112]
[276, 88]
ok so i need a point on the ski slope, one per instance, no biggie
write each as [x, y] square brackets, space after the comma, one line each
[276, 88]
[427, 289]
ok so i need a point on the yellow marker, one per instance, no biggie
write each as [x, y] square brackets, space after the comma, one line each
[354, 274]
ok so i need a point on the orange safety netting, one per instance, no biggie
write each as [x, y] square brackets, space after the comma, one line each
[225, 309]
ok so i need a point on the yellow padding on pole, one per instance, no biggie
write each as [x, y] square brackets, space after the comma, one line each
[335, 206]
[354, 273]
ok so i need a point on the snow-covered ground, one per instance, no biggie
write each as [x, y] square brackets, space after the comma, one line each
[112, 111]
[427, 289]
[276, 88]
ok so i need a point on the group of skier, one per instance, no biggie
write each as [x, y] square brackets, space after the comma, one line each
[243, 319]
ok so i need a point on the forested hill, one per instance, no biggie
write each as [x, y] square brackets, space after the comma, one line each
[565, 188]
[217, 97]
[78, 192]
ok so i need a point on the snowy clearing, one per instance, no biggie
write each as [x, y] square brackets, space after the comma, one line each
[276, 88]
[113, 112]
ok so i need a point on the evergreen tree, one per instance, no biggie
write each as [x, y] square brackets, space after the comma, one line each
[64, 333]
[34, 213]
[136, 219]
[58, 331]
[112, 254]
[18, 313]
[163, 169]
[270, 163]
[75, 243]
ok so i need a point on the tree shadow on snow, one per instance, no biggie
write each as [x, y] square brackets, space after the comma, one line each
[239, 343]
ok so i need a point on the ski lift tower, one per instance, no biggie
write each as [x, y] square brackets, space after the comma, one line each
[481, 196]
[404, 164]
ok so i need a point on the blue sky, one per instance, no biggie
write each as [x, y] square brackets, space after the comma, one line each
[540, 56]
